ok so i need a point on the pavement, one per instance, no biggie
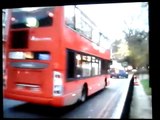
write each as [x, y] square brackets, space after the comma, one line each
[141, 105]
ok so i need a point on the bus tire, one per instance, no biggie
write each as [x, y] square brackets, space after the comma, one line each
[105, 82]
[83, 94]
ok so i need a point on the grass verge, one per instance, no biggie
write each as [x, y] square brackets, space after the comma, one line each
[145, 84]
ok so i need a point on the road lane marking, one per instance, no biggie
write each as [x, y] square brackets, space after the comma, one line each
[101, 113]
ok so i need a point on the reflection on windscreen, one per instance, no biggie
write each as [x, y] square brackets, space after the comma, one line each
[32, 17]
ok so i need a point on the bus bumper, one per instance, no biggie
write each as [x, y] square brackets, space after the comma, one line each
[53, 101]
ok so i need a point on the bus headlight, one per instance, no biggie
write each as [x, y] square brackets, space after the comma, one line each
[38, 55]
[16, 55]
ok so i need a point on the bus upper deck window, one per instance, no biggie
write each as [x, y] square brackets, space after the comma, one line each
[69, 16]
[32, 17]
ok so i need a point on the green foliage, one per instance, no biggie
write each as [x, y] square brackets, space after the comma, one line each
[138, 47]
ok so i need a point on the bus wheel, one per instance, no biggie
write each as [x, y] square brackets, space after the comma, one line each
[83, 95]
[105, 82]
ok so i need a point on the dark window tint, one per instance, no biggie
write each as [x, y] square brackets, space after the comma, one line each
[70, 64]
[19, 39]
[104, 66]
[32, 17]
[81, 65]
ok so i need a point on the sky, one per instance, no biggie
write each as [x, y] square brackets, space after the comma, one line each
[111, 18]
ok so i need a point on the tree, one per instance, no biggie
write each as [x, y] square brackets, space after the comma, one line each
[119, 49]
[115, 46]
[138, 47]
[137, 40]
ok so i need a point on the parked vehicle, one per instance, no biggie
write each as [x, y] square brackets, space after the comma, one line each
[122, 74]
[113, 73]
[118, 73]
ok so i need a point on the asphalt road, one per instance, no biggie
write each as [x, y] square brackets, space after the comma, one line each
[100, 105]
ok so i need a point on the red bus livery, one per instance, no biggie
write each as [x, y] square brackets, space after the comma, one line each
[55, 56]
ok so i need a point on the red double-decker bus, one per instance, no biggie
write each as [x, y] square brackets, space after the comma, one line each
[55, 56]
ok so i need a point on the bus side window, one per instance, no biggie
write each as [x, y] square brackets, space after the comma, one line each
[108, 66]
[86, 66]
[69, 16]
[104, 67]
[82, 24]
[83, 65]
[99, 68]
[70, 64]
[95, 67]
[78, 66]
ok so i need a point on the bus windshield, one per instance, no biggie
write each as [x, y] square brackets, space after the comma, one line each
[32, 17]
